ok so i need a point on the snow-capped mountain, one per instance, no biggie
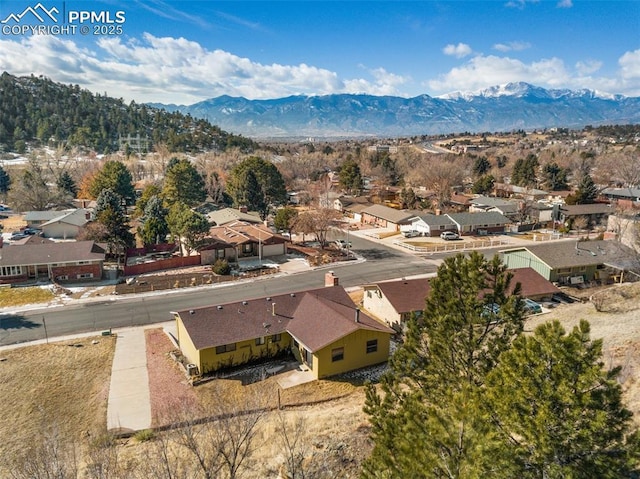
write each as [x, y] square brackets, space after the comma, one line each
[513, 106]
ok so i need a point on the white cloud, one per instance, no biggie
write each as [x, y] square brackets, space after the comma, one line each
[565, 4]
[460, 50]
[512, 46]
[176, 70]
[484, 71]
[588, 67]
[630, 65]
[519, 3]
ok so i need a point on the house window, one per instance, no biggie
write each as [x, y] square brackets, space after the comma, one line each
[247, 248]
[64, 277]
[11, 270]
[276, 338]
[84, 275]
[337, 354]
[260, 341]
[582, 269]
[219, 253]
[84, 262]
[372, 346]
[226, 348]
[564, 270]
[296, 344]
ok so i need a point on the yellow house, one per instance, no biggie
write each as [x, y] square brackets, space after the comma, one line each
[322, 327]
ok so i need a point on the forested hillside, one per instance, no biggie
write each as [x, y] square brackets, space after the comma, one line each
[36, 110]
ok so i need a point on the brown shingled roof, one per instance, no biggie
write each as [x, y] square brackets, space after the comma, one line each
[532, 283]
[315, 317]
[406, 295]
[49, 253]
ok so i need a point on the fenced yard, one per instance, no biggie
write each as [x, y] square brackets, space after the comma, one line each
[430, 248]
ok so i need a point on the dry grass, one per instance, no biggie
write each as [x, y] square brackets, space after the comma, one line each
[618, 327]
[19, 296]
[64, 384]
[13, 223]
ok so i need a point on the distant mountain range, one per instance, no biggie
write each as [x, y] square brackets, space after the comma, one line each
[514, 106]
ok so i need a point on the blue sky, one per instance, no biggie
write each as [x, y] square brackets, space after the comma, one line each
[184, 52]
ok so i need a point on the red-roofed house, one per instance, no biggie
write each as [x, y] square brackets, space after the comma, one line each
[322, 327]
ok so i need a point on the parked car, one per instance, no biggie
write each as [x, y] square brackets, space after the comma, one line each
[449, 235]
[340, 243]
[411, 234]
[531, 306]
[17, 236]
[31, 231]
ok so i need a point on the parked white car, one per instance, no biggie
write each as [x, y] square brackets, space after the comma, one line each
[449, 235]
[411, 234]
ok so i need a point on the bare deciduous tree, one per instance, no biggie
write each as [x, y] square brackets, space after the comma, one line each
[290, 432]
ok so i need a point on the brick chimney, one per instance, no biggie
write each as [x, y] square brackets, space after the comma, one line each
[330, 279]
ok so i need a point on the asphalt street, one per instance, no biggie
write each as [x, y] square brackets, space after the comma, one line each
[381, 263]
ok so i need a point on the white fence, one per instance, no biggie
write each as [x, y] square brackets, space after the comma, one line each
[452, 245]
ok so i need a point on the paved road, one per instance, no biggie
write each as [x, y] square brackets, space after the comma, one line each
[382, 263]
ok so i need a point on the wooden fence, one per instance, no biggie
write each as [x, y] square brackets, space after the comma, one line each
[170, 263]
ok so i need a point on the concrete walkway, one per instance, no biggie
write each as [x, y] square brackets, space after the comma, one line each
[129, 407]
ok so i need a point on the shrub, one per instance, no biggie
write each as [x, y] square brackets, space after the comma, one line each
[221, 267]
[144, 435]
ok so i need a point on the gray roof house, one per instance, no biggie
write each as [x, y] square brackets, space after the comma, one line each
[429, 224]
[230, 215]
[479, 223]
[483, 204]
[574, 262]
[66, 225]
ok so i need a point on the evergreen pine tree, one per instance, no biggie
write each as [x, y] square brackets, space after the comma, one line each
[587, 191]
[427, 421]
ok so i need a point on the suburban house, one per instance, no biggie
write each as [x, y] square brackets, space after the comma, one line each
[541, 213]
[321, 327]
[67, 225]
[625, 198]
[60, 262]
[459, 202]
[429, 224]
[385, 217]
[352, 206]
[35, 218]
[574, 262]
[505, 190]
[249, 241]
[483, 204]
[213, 249]
[594, 214]
[479, 223]
[231, 215]
[395, 301]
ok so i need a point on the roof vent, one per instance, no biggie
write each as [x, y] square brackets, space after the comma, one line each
[293, 295]
[245, 303]
[269, 298]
